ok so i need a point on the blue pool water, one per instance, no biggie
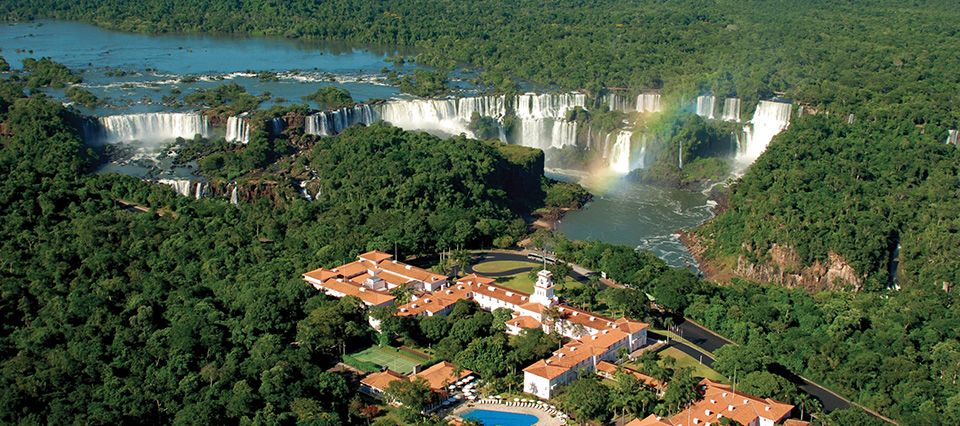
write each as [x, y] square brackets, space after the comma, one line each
[500, 418]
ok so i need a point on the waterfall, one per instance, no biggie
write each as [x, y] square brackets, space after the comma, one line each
[330, 123]
[617, 102]
[199, 192]
[731, 110]
[181, 186]
[680, 155]
[642, 157]
[157, 126]
[233, 195]
[444, 116]
[952, 137]
[768, 120]
[547, 133]
[547, 105]
[706, 106]
[238, 130]
[648, 102]
[276, 126]
[619, 158]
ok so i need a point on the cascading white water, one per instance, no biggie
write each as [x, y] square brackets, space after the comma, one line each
[547, 133]
[445, 116]
[648, 102]
[617, 102]
[233, 195]
[198, 194]
[238, 130]
[330, 123]
[547, 105]
[542, 119]
[182, 186]
[953, 137]
[770, 118]
[151, 127]
[731, 110]
[619, 158]
[706, 106]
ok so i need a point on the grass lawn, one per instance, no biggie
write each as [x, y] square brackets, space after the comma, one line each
[684, 360]
[498, 266]
[523, 282]
[400, 361]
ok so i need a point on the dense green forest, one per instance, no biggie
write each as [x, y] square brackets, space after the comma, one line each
[882, 60]
[895, 352]
[829, 186]
[194, 311]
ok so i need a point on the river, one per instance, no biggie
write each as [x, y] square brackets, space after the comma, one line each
[134, 73]
[640, 215]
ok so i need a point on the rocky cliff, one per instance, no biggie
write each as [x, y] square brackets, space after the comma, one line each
[781, 265]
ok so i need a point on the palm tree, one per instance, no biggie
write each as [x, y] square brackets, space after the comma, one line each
[808, 403]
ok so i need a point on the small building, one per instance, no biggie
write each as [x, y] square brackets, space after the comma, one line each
[376, 383]
[719, 402]
[438, 377]
[441, 375]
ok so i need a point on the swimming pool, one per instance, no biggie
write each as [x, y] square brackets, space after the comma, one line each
[500, 418]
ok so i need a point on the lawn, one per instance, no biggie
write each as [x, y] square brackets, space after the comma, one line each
[499, 266]
[523, 282]
[684, 360]
[400, 361]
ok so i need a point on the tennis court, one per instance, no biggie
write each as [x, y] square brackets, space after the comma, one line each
[400, 361]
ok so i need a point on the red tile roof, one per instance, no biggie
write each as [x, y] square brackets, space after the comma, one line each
[381, 380]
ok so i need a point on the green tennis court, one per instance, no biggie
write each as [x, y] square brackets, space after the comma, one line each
[400, 361]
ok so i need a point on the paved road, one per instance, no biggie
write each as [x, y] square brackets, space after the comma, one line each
[683, 347]
[710, 342]
[703, 338]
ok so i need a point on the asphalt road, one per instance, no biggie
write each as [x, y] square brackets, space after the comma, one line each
[701, 337]
[711, 342]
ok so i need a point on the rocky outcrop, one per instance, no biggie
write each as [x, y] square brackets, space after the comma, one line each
[782, 265]
[784, 268]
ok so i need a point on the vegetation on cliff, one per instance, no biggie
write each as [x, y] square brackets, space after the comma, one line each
[855, 190]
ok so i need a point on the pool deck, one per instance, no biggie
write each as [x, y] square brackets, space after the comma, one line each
[543, 419]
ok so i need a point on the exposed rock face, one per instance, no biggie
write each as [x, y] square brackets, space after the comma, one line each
[784, 268]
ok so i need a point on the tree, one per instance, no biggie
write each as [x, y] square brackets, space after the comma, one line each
[330, 98]
[485, 356]
[630, 397]
[767, 385]
[327, 329]
[587, 398]
[500, 317]
[434, 328]
[681, 390]
[413, 394]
